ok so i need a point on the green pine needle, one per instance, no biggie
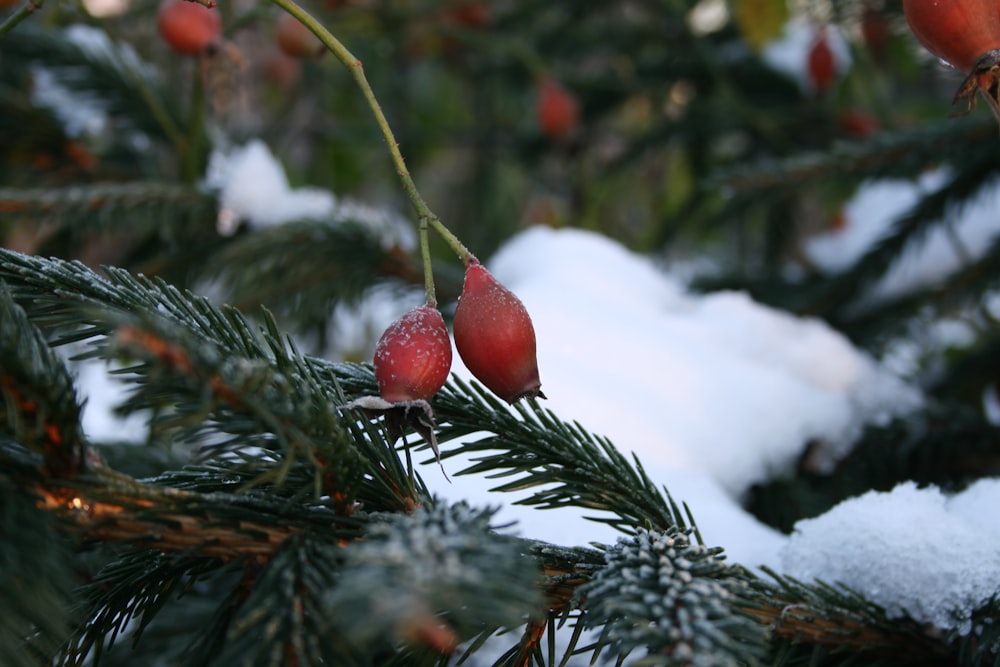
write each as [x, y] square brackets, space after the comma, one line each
[536, 449]
[36, 581]
[39, 399]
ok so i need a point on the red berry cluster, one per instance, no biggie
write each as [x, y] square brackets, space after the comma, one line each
[493, 334]
[192, 29]
[965, 34]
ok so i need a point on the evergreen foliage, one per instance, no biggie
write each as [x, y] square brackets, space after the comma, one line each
[263, 522]
[37, 611]
[679, 600]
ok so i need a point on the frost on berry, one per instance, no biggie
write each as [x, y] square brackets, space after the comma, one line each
[413, 356]
[495, 337]
[412, 362]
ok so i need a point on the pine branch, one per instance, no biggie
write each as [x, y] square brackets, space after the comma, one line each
[128, 88]
[588, 471]
[885, 154]
[422, 578]
[178, 536]
[250, 402]
[532, 445]
[40, 407]
[838, 619]
[302, 271]
[972, 281]
[144, 208]
[105, 506]
[166, 535]
[134, 588]
[217, 374]
[675, 599]
[285, 618]
[933, 209]
[36, 581]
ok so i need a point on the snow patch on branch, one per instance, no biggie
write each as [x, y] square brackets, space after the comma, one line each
[915, 552]
[253, 189]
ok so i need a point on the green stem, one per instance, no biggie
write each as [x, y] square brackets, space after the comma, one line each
[190, 159]
[425, 257]
[23, 12]
[426, 217]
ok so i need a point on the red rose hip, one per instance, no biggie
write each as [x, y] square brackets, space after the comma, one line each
[966, 34]
[495, 337]
[413, 356]
[187, 27]
[296, 40]
[557, 109]
[959, 32]
[821, 63]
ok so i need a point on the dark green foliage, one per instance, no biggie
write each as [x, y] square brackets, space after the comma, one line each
[285, 618]
[303, 271]
[419, 578]
[39, 401]
[172, 212]
[126, 595]
[824, 624]
[36, 580]
[109, 74]
[981, 646]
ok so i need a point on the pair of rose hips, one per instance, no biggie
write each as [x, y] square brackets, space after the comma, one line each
[192, 29]
[493, 335]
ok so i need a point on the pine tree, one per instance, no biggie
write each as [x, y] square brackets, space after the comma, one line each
[269, 518]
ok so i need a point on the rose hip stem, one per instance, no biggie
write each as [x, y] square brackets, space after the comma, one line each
[426, 217]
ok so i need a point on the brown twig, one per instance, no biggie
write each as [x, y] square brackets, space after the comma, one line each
[802, 623]
[136, 520]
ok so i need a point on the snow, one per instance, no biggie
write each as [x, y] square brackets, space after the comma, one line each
[869, 215]
[82, 114]
[913, 551]
[253, 188]
[103, 393]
